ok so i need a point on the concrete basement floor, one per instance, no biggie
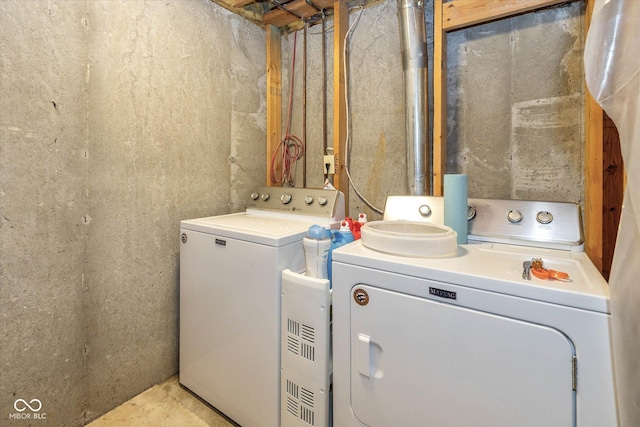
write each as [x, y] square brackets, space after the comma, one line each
[164, 404]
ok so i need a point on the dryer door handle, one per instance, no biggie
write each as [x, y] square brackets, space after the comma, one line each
[369, 357]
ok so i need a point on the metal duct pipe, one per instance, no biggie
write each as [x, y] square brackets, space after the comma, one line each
[413, 42]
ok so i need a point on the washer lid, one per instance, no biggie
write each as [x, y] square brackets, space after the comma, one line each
[496, 268]
[266, 230]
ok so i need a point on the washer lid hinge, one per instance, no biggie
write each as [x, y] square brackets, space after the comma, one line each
[574, 373]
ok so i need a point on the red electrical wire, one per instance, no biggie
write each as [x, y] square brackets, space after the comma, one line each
[291, 148]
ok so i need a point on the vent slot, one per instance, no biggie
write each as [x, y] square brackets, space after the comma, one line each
[306, 397]
[300, 403]
[308, 333]
[307, 351]
[298, 337]
[293, 345]
[292, 389]
[293, 327]
[292, 406]
[307, 416]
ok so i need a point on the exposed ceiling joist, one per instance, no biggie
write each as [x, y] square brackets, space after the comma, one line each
[287, 15]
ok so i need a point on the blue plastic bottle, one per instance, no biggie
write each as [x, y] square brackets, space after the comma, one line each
[345, 230]
[317, 244]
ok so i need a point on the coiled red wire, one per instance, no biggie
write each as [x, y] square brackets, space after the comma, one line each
[291, 148]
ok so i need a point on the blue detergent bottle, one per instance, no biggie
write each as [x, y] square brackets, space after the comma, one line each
[345, 230]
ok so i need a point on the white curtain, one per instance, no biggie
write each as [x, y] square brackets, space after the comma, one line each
[612, 69]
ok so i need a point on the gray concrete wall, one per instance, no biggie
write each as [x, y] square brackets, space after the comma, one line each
[514, 105]
[118, 120]
[43, 195]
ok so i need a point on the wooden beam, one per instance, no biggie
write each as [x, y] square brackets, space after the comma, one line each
[297, 8]
[465, 13]
[239, 3]
[593, 168]
[274, 99]
[439, 100]
[340, 27]
[612, 191]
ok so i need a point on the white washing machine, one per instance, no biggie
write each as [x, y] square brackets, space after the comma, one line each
[230, 297]
[469, 339]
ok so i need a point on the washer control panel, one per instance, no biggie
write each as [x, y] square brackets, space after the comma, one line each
[316, 202]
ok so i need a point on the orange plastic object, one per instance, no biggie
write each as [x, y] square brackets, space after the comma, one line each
[544, 274]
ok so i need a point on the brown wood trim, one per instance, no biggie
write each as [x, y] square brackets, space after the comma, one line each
[593, 170]
[239, 3]
[593, 167]
[459, 14]
[340, 27]
[439, 99]
[613, 192]
[280, 18]
[274, 97]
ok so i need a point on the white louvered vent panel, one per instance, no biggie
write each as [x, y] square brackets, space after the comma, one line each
[306, 350]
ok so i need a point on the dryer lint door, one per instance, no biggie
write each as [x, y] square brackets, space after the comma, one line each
[420, 362]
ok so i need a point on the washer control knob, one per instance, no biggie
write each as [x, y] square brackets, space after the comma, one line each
[425, 211]
[265, 196]
[254, 196]
[544, 217]
[471, 213]
[285, 198]
[308, 200]
[514, 216]
[322, 200]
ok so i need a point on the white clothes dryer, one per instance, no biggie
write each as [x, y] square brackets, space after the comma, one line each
[470, 339]
[230, 297]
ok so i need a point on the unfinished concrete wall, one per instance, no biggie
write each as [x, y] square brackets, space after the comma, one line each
[176, 132]
[376, 143]
[514, 105]
[118, 120]
[42, 202]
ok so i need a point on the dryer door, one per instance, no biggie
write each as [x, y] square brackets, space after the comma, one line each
[418, 362]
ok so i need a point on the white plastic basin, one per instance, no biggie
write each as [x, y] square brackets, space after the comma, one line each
[409, 238]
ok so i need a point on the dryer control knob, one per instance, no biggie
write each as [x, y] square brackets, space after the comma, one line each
[285, 198]
[471, 213]
[265, 196]
[514, 216]
[322, 200]
[425, 211]
[544, 217]
[308, 200]
[254, 196]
